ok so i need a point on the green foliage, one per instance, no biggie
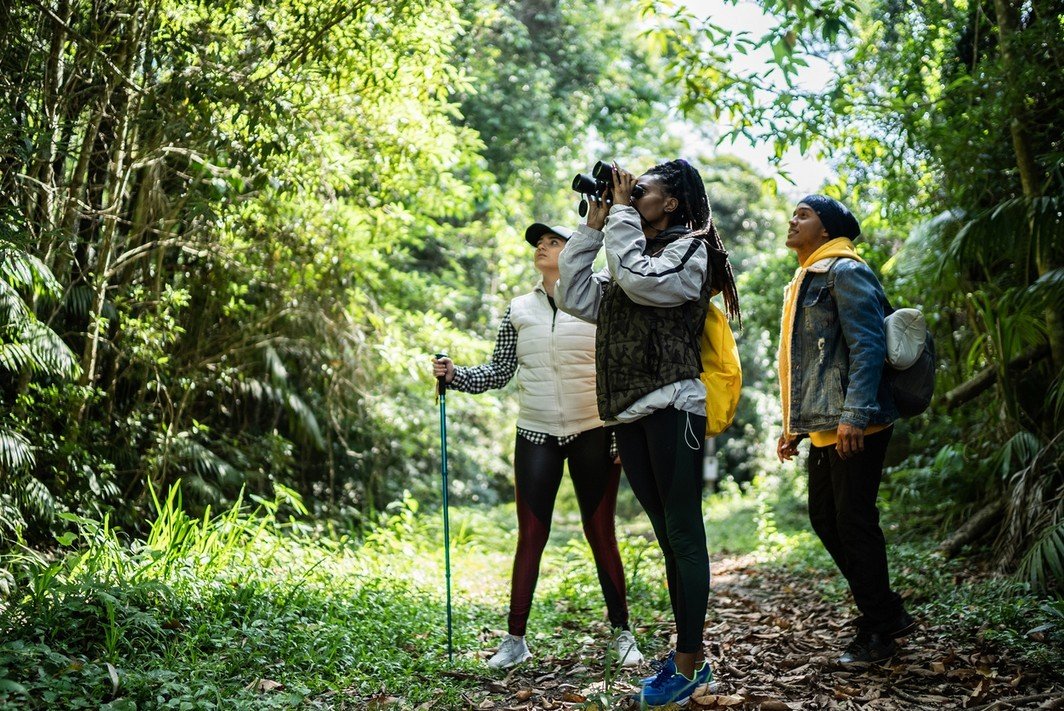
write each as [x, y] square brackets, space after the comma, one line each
[29, 350]
[546, 76]
[215, 611]
[946, 134]
[760, 104]
[232, 234]
[210, 612]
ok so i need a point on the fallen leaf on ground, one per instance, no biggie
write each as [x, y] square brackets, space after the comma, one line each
[844, 692]
[717, 700]
[381, 701]
[774, 705]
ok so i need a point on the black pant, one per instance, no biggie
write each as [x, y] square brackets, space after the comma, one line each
[537, 475]
[662, 458]
[842, 509]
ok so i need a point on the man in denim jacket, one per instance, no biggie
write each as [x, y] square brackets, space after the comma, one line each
[832, 353]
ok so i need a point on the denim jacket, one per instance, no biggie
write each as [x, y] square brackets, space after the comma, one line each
[838, 349]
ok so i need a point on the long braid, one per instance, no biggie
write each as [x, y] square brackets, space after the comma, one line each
[683, 182]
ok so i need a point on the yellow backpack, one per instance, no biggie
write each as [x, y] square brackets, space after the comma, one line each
[722, 373]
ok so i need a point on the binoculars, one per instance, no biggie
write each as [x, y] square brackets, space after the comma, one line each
[598, 185]
[601, 179]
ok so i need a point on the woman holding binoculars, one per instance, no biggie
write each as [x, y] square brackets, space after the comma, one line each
[664, 260]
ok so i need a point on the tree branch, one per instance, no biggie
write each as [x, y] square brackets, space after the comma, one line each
[986, 377]
[973, 528]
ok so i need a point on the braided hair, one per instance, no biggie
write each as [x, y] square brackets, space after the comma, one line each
[683, 182]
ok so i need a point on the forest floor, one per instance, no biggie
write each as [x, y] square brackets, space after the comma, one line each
[773, 640]
[245, 611]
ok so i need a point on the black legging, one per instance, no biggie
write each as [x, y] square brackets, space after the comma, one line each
[662, 457]
[537, 475]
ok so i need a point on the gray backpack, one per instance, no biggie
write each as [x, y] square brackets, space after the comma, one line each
[913, 386]
[910, 366]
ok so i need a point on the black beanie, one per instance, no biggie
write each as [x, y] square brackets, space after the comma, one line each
[837, 220]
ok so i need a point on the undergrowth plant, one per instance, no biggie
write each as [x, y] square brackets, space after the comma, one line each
[254, 608]
[212, 612]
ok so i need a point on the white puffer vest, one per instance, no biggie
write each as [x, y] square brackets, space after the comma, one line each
[556, 368]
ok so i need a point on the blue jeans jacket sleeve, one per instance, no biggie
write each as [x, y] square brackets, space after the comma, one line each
[861, 305]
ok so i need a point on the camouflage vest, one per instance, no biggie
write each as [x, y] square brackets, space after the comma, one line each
[639, 349]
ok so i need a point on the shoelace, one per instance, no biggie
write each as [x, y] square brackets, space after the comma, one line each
[656, 665]
[663, 674]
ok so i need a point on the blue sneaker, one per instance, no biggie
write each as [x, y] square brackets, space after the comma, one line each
[668, 666]
[674, 687]
[704, 675]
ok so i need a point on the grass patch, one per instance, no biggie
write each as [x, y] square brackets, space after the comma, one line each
[236, 611]
[243, 610]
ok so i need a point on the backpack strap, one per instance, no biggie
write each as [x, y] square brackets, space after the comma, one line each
[831, 287]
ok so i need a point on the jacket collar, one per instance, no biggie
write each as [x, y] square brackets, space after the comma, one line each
[665, 237]
[830, 252]
[822, 265]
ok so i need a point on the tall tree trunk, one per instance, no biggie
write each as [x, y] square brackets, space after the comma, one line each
[1031, 177]
[50, 104]
[112, 191]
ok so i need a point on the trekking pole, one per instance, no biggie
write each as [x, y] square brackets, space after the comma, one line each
[441, 397]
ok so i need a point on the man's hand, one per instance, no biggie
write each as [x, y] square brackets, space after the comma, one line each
[786, 447]
[850, 441]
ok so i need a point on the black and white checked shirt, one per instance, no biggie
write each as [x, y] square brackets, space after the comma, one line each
[498, 372]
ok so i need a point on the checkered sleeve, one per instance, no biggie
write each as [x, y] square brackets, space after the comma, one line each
[503, 365]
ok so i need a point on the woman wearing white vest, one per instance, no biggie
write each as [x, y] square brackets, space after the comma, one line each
[553, 355]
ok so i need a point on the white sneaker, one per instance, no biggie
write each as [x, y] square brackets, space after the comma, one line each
[513, 650]
[628, 654]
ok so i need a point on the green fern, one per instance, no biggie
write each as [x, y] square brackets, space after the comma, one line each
[1034, 509]
[1043, 564]
[1050, 289]
[21, 493]
[25, 342]
[25, 271]
[300, 416]
[1021, 231]
[16, 453]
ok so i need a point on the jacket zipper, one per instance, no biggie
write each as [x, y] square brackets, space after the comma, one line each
[554, 366]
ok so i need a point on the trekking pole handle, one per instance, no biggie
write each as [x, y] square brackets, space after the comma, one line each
[442, 380]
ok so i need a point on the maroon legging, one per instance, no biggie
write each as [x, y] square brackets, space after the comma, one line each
[537, 475]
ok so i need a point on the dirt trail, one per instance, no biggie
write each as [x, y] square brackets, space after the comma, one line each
[772, 641]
